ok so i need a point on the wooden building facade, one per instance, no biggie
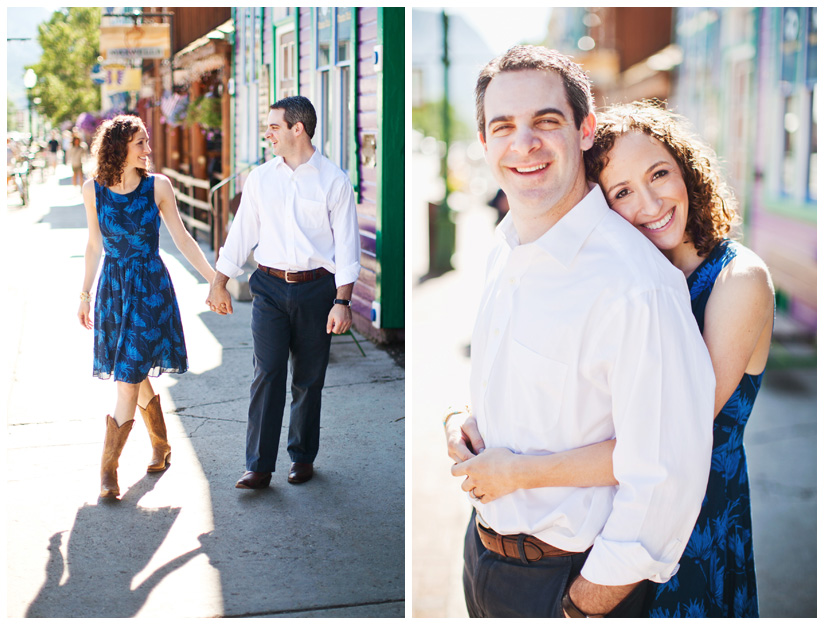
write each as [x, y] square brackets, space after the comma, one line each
[350, 63]
[748, 83]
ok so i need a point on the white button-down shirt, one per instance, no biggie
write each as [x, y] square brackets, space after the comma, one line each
[299, 220]
[583, 336]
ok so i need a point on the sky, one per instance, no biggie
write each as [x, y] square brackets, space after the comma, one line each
[22, 22]
[500, 30]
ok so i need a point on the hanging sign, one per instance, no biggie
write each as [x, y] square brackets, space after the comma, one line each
[140, 41]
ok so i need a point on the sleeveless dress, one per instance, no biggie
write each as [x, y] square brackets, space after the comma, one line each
[137, 326]
[716, 576]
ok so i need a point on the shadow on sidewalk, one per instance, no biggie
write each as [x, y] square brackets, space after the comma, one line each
[90, 555]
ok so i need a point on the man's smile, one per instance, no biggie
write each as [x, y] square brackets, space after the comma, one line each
[529, 169]
[526, 170]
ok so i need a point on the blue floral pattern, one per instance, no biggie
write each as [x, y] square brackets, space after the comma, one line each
[138, 331]
[716, 576]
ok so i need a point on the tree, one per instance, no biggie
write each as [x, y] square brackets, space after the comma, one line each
[11, 114]
[70, 41]
[428, 119]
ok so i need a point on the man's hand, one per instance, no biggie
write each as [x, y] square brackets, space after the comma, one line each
[339, 320]
[490, 475]
[219, 299]
[463, 437]
[596, 599]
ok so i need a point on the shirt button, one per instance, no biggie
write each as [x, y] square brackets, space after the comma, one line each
[484, 384]
[495, 332]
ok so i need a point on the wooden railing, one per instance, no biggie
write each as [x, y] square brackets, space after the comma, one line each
[184, 187]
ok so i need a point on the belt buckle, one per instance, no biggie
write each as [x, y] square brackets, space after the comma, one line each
[286, 277]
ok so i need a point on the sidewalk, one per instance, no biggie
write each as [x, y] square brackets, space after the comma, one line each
[184, 543]
[780, 438]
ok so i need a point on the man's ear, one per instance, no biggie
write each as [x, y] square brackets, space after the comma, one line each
[588, 131]
[483, 142]
[299, 128]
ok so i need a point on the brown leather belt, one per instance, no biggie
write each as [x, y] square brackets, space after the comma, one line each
[295, 277]
[523, 547]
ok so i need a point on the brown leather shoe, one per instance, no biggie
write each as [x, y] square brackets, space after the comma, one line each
[299, 473]
[254, 480]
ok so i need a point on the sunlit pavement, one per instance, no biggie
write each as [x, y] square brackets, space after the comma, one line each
[780, 438]
[183, 543]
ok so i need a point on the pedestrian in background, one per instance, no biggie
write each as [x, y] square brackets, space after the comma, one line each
[75, 156]
[54, 147]
[137, 325]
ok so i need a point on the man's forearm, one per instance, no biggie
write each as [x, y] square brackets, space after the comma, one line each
[344, 292]
[220, 280]
[596, 599]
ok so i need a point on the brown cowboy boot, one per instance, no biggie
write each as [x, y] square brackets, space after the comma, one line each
[112, 447]
[161, 451]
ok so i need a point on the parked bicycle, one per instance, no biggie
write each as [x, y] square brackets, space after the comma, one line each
[20, 174]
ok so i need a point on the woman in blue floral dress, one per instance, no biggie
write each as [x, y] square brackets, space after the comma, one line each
[666, 182]
[137, 325]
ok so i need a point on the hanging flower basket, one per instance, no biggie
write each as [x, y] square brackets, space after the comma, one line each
[205, 111]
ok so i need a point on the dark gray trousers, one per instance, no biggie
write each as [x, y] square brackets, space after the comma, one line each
[288, 326]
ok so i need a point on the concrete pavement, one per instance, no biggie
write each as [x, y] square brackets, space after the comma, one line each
[780, 438]
[184, 543]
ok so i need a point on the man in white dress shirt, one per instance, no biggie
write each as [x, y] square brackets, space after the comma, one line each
[298, 213]
[584, 334]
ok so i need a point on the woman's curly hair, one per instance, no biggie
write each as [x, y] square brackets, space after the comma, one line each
[111, 145]
[711, 203]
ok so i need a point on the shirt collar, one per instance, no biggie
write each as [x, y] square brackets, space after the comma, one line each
[564, 239]
[314, 161]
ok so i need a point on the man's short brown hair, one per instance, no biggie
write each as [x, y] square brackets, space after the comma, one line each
[297, 109]
[576, 83]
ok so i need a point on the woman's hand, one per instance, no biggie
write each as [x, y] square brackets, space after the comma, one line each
[490, 475]
[84, 315]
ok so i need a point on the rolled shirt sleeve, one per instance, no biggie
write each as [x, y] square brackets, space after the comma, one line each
[244, 232]
[344, 222]
[663, 398]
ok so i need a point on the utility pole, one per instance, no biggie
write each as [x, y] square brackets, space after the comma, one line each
[443, 239]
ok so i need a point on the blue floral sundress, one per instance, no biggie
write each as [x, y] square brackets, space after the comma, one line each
[716, 576]
[137, 326]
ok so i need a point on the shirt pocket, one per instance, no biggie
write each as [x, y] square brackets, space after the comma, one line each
[312, 214]
[536, 392]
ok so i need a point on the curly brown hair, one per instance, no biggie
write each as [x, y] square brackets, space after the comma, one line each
[711, 203]
[111, 145]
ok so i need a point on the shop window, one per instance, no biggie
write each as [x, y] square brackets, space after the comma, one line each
[812, 157]
[334, 61]
[285, 80]
[790, 121]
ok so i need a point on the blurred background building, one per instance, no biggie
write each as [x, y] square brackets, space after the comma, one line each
[210, 105]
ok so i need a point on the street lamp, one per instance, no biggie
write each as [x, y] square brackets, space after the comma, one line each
[29, 81]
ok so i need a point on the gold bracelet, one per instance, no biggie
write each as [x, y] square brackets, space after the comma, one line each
[453, 411]
[85, 296]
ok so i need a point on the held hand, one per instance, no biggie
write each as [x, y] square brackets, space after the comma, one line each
[490, 475]
[339, 320]
[84, 315]
[463, 437]
[219, 300]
